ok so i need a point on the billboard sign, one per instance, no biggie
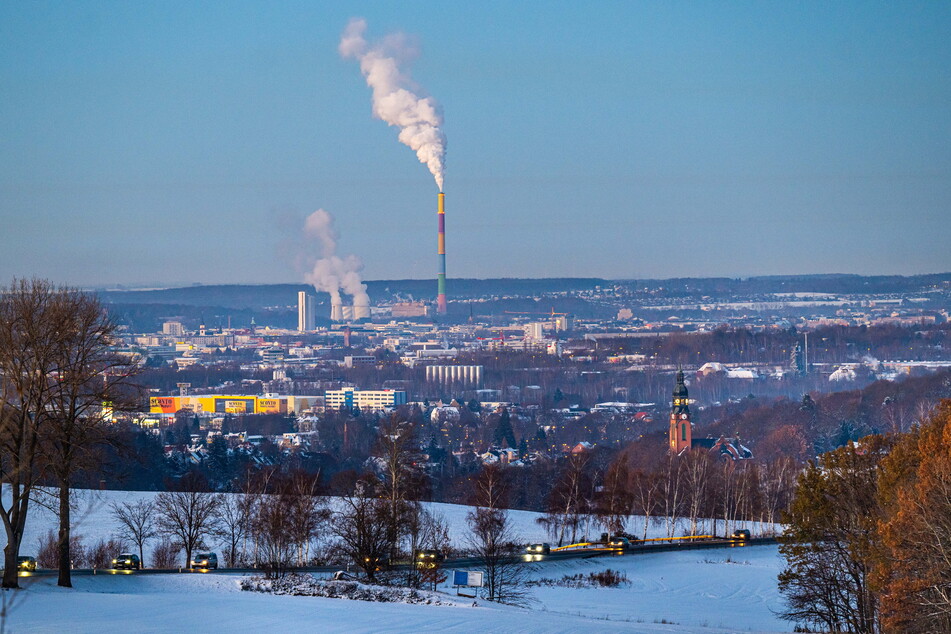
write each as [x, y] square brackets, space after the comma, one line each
[467, 578]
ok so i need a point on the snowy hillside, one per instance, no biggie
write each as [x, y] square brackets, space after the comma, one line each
[93, 520]
[713, 592]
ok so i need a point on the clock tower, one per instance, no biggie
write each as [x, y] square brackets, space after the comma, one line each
[681, 432]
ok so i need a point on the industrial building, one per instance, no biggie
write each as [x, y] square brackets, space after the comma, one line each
[364, 399]
[306, 312]
[409, 309]
[461, 375]
[349, 312]
[234, 404]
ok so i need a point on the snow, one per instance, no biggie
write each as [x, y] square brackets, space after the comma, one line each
[716, 591]
[93, 520]
[694, 591]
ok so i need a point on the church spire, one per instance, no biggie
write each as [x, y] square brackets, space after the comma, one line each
[681, 429]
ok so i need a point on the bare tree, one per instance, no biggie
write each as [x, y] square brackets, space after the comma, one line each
[398, 452]
[568, 499]
[672, 492]
[495, 546]
[188, 516]
[272, 524]
[614, 501]
[90, 382]
[696, 473]
[234, 518]
[136, 523]
[29, 322]
[646, 486]
[361, 527]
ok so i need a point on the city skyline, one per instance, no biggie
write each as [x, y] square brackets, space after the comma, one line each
[185, 142]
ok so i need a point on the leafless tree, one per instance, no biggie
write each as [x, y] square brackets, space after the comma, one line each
[29, 325]
[568, 499]
[136, 523]
[696, 473]
[672, 491]
[187, 516]
[398, 452]
[89, 384]
[614, 501]
[362, 528]
[494, 544]
[491, 488]
[234, 518]
[646, 485]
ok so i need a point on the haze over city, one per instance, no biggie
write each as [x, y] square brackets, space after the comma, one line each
[186, 142]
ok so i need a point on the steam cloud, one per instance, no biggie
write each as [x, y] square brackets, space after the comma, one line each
[418, 118]
[331, 273]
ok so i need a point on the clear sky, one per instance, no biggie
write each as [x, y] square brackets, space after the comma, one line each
[176, 142]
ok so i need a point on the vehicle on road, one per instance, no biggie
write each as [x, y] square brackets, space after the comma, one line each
[126, 561]
[740, 534]
[25, 563]
[619, 542]
[429, 558]
[538, 549]
[204, 561]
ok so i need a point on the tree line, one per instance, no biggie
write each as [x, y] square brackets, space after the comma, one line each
[869, 532]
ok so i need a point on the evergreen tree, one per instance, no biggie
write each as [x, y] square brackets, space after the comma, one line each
[504, 434]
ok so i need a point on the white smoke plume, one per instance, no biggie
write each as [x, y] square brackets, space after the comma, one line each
[394, 100]
[332, 273]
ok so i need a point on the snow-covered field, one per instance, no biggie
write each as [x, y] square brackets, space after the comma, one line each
[715, 591]
[93, 520]
[679, 592]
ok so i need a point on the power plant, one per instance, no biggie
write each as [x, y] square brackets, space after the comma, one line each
[441, 255]
[349, 312]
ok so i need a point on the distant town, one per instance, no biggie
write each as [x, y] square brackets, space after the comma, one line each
[531, 372]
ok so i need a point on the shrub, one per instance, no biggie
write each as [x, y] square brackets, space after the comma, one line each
[102, 553]
[165, 554]
[47, 555]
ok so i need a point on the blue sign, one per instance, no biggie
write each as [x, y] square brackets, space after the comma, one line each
[460, 578]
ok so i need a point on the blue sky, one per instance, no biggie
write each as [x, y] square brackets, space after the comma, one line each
[178, 142]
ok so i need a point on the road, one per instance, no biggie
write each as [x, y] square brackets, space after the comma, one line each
[467, 562]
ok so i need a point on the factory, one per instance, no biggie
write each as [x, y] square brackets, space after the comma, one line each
[455, 375]
[234, 404]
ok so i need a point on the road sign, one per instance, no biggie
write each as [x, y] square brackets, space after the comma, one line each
[467, 578]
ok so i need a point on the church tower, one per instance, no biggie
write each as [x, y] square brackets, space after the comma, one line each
[681, 432]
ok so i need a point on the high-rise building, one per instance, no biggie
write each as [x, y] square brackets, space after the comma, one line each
[306, 312]
[173, 328]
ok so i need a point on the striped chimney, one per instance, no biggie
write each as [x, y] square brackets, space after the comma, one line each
[441, 254]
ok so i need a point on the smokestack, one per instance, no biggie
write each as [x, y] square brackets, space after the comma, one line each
[441, 254]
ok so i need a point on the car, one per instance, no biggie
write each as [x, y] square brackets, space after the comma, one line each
[619, 542]
[205, 561]
[740, 534]
[126, 561]
[26, 563]
[538, 549]
[429, 558]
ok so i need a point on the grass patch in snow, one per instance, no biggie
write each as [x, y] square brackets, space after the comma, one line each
[303, 585]
[728, 560]
[603, 579]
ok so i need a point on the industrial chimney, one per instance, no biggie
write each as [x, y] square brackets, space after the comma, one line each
[441, 255]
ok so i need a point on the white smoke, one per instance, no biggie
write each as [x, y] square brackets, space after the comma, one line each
[418, 118]
[332, 273]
